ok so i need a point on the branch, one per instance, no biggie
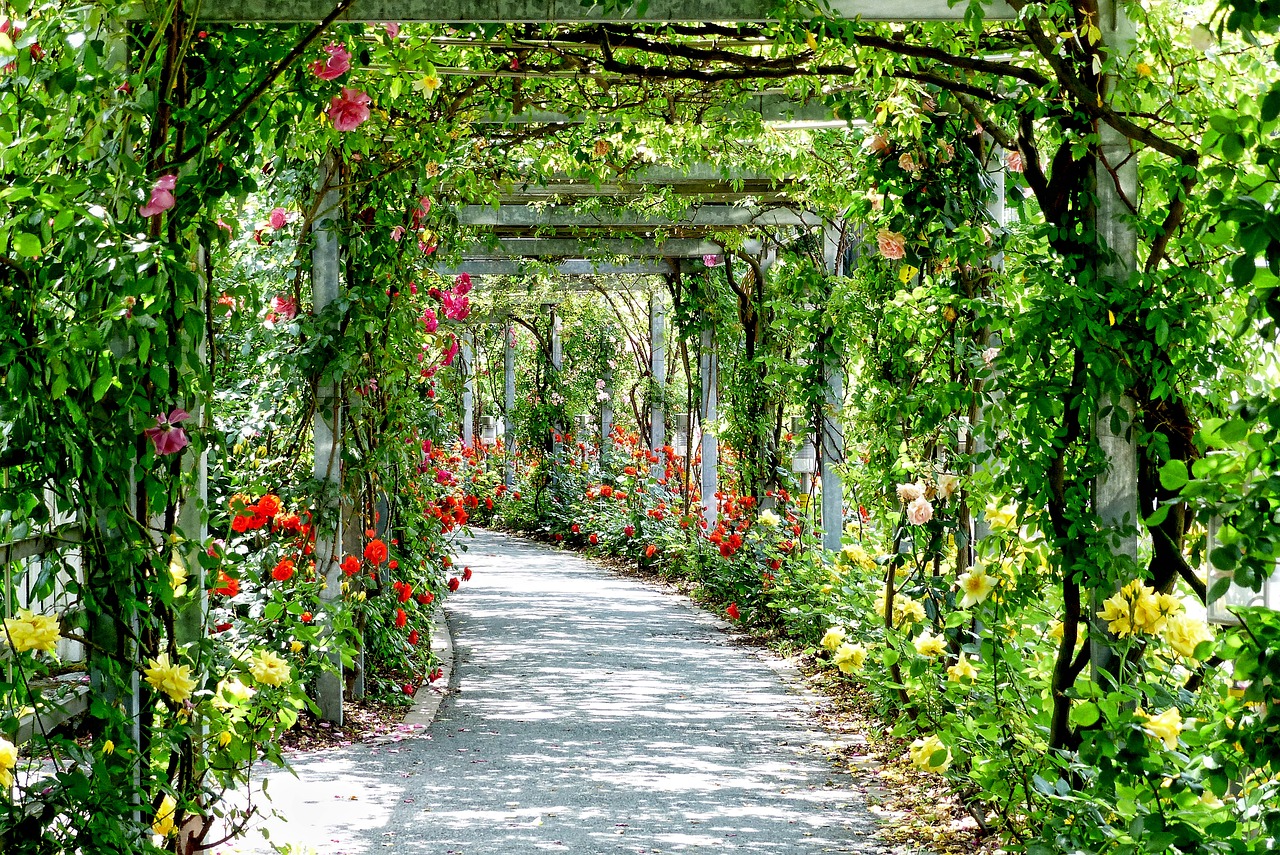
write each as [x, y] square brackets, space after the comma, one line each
[266, 83]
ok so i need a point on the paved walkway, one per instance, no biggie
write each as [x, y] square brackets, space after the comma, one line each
[590, 714]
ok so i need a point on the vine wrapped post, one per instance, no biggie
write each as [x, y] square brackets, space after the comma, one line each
[708, 376]
[509, 403]
[557, 359]
[658, 372]
[606, 414]
[468, 369]
[190, 617]
[831, 445]
[1116, 489]
[327, 424]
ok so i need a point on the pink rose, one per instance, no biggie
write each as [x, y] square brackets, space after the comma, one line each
[393, 30]
[891, 244]
[462, 284]
[166, 436]
[1013, 160]
[712, 260]
[277, 218]
[397, 233]
[920, 511]
[349, 110]
[430, 321]
[338, 63]
[420, 212]
[456, 308]
[451, 353]
[161, 196]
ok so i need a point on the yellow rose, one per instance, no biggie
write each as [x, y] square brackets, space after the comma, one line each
[849, 657]
[269, 669]
[1184, 634]
[962, 670]
[108, 747]
[930, 754]
[224, 738]
[930, 645]
[976, 585]
[295, 646]
[30, 631]
[1143, 69]
[833, 638]
[163, 824]
[769, 518]
[8, 759]
[1166, 726]
[174, 680]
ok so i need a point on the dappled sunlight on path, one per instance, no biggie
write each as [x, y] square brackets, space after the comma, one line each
[592, 714]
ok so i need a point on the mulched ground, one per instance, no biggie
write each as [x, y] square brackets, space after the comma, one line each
[363, 721]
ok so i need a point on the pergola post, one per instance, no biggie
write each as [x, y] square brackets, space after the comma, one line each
[831, 441]
[190, 618]
[509, 403]
[557, 359]
[995, 174]
[467, 366]
[658, 372]
[1116, 488]
[327, 423]
[606, 414]
[708, 376]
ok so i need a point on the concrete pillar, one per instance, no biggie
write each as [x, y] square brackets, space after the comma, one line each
[557, 361]
[995, 175]
[189, 622]
[1116, 490]
[708, 375]
[658, 368]
[509, 403]
[468, 369]
[327, 423]
[606, 414]
[831, 455]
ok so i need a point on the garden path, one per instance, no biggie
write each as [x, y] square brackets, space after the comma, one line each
[591, 714]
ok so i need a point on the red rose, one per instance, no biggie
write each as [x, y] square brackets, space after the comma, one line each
[413, 638]
[733, 612]
[401, 618]
[466, 574]
[454, 584]
[283, 571]
[376, 551]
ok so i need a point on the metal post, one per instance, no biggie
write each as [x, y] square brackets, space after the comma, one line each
[327, 424]
[509, 403]
[468, 369]
[658, 370]
[708, 375]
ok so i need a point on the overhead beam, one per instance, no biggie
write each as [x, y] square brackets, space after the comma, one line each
[553, 216]
[570, 248]
[572, 11]
[572, 267]
[770, 106]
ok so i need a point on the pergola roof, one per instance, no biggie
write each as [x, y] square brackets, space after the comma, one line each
[575, 12]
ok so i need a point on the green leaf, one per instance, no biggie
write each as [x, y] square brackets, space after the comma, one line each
[890, 657]
[1085, 714]
[1158, 517]
[1173, 475]
[101, 385]
[1243, 270]
[26, 244]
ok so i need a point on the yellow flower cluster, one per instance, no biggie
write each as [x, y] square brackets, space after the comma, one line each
[174, 680]
[269, 669]
[855, 556]
[906, 611]
[930, 754]
[8, 759]
[1137, 608]
[30, 631]
[849, 657]
[832, 638]
[163, 824]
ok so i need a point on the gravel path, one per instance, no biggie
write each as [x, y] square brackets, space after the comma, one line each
[589, 714]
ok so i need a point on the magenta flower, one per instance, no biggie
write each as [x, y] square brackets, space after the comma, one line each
[427, 248]
[349, 110]
[284, 306]
[712, 260]
[277, 218]
[451, 353]
[161, 196]
[456, 308]
[166, 436]
[393, 30]
[430, 321]
[462, 284]
[338, 63]
[420, 213]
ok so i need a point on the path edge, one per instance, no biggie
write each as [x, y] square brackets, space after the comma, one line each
[431, 694]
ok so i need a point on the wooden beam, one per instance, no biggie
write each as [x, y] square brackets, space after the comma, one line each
[573, 11]
[554, 216]
[571, 267]
[571, 248]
